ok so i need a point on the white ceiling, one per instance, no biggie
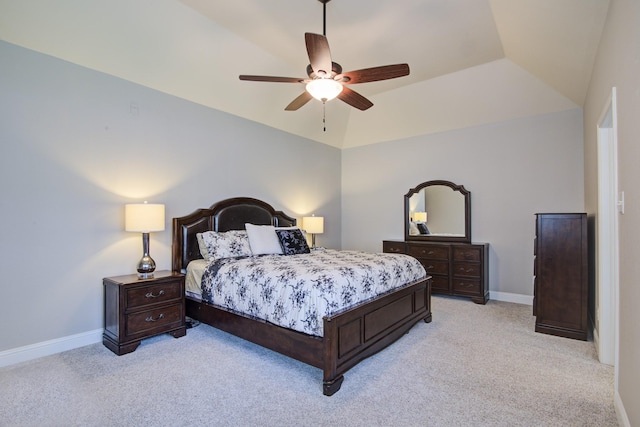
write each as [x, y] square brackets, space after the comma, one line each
[472, 62]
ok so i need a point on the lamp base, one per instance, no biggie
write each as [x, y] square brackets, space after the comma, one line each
[147, 265]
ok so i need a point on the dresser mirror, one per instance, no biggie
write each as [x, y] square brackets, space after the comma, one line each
[438, 211]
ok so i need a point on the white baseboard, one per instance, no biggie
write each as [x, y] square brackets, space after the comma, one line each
[623, 419]
[47, 348]
[509, 297]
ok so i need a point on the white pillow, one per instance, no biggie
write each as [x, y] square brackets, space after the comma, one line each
[413, 228]
[263, 239]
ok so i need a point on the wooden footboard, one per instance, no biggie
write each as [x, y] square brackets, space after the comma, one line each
[349, 336]
[357, 333]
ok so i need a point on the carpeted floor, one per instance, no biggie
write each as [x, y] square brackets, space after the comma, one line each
[473, 365]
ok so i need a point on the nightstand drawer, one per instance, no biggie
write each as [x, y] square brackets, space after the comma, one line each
[161, 318]
[153, 294]
[464, 269]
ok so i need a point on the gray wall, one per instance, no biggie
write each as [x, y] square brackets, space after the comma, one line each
[618, 64]
[76, 145]
[512, 169]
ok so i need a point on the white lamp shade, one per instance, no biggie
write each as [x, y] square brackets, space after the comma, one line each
[420, 216]
[324, 89]
[144, 217]
[313, 224]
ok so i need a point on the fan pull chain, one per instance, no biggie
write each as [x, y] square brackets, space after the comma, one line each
[324, 116]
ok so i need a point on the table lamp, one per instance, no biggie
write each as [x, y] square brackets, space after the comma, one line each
[420, 217]
[144, 218]
[313, 225]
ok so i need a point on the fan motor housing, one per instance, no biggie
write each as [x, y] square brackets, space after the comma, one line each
[335, 70]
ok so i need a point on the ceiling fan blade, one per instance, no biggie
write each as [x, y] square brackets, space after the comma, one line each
[272, 79]
[319, 53]
[299, 101]
[375, 74]
[354, 99]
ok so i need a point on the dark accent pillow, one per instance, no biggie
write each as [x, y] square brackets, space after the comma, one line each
[292, 242]
[422, 227]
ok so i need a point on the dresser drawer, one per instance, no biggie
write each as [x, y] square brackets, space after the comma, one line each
[158, 319]
[466, 254]
[427, 251]
[466, 269]
[440, 283]
[393, 247]
[468, 287]
[153, 294]
[435, 267]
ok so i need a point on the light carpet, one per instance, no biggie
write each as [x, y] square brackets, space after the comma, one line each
[474, 365]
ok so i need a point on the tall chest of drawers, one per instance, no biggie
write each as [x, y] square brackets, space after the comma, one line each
[459, 269]
[561, 275]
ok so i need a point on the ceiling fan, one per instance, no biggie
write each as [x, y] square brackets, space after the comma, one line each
[326, 80]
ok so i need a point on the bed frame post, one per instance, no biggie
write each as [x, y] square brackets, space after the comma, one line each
[331, 382]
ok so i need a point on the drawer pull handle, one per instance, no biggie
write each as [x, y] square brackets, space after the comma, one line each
[151, 295]
[151, 319]
[468, 270]
[394, 250]
[430, 267]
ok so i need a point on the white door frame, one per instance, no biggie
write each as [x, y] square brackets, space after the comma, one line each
[607, 256]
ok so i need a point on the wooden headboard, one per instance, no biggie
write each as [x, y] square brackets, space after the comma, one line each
[229, 214]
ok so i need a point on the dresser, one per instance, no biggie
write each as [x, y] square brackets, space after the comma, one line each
[560, 294]
[135, 309]
[459, 269]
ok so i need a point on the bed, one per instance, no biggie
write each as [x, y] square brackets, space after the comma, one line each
[348, 335]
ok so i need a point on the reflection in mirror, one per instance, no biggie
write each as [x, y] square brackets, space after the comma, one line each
[442, 207]
[438, 210]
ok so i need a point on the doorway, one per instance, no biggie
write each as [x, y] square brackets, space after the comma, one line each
[607, 262]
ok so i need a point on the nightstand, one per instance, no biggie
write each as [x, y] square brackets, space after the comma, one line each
[135, 309]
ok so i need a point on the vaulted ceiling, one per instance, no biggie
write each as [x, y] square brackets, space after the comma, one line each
[473, 62]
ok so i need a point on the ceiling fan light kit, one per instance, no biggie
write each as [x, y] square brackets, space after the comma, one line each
[324, 89]
[326, 80]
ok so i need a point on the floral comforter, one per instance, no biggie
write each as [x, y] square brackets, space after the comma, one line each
[297, 291]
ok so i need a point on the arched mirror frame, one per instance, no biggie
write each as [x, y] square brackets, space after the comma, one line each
[439, 238]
